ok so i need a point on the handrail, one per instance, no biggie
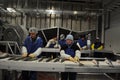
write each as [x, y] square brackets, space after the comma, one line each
[8, 44]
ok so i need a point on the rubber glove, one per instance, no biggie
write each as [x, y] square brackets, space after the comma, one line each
[81, 49]
[32, 55]
[76, 58]
[24, 55]
[71, 59]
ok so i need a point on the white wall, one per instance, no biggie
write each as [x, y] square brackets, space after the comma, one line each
[112, 35]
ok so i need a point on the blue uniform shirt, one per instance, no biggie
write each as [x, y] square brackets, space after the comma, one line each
[32, 46]
[70, 49]
[97, 45]
[61, 42]
[82, 42]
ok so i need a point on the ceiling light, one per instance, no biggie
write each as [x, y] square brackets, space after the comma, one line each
[11, 10]
[75, 12]
[50, 11]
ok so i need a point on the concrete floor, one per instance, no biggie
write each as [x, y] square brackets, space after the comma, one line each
[95, 76]
[90, 76]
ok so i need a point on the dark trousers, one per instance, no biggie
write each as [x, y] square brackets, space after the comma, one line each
[29, 75]
[68, 75]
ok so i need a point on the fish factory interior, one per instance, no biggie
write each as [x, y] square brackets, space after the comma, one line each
[59, 40]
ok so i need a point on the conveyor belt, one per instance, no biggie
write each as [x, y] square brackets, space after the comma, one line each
[41, 59]
[109, 62]
[57, 60]
[58, 66]
[49, 59]
[19, 58]
[95, 62]
[3, 55]
[83, 51]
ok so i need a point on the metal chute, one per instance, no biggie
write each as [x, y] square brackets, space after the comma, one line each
[49, 33]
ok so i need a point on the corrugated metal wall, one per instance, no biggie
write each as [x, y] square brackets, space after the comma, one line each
[73, 22]
[77, 22]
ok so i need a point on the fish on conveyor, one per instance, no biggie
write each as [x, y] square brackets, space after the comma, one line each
[29, 59]
[49, 59]
[41, 59]
[95, 62]
[19, 58]
[56, 59]
[118, 61]
[3, 55]
[62, 60]
[109, 62]
[12, 58]
[80, 64]
[32, 59]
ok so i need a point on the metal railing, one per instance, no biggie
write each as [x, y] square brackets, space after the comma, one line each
[8, 46]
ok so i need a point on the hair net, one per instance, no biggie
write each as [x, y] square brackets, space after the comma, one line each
[69, 36]
[33, 30]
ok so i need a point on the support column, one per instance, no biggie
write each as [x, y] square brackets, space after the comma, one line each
[97, 25]
[103, 29]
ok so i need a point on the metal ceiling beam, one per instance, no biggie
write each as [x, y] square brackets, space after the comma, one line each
[80, 2]
[112, 5]
[41, 11]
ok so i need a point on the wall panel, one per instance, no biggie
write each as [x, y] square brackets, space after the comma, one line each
[112, 35]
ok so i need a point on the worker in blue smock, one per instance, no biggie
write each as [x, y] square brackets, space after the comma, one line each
[70, 51]
[82, 42]
[61, 42]
[31, 48]
[52, 43]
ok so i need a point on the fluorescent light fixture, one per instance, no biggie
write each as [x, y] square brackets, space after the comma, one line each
[93, 13]
[50, 11]
[75, 12]
[11, 10]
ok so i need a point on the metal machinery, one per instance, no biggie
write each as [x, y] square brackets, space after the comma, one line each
[11, 37]
[14, 62]
[82, 66]
[80, 12]
[85, 65]
[15, 33]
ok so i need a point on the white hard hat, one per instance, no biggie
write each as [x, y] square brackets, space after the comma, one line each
[33, 30]
[69, 36]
